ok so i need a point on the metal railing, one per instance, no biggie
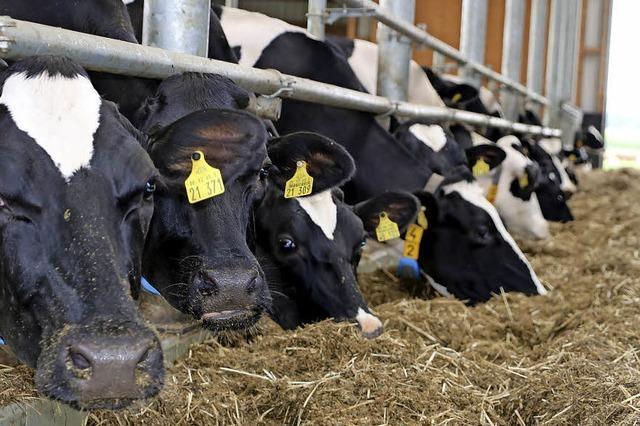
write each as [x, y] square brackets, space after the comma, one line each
[20, 39]
[422, 37]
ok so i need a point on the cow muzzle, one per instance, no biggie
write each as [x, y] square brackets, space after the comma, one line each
[110, 367]
[228, 298]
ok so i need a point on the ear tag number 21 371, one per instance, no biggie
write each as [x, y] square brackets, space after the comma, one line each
[204, 182]
[301, 184]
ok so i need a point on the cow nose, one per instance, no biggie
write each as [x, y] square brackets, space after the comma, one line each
[119, 369]
[228, 298]
[567, 195]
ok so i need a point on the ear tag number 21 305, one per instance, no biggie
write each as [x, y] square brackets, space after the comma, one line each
[204, 182]
[301, 184]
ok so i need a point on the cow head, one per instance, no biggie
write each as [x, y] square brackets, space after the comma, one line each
[76, 199]
[197, 254]
[466, 250]
[315, 242]
[554, 186]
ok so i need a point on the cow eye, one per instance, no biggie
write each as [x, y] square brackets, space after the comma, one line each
[149, 189]
[286, 245]
[264, 173]
[363, 243]
[2, 204]
[560, 197]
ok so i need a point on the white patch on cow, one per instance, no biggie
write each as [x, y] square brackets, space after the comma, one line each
[552, 146]
[128, 1]
[566, 184]
[322, 210]
[253, 32]
[474, 195]
[478, 139]
[438, 287]
[61, 114]
[364, 63]
[432, 136]
[369, 324]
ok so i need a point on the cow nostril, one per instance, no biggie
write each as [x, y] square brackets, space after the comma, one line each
[253, 284]
[79, 361]
[568, 195]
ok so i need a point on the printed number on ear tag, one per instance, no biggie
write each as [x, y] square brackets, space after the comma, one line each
[523, 181]
[412, 241]
[493, 191]
[300, 184]
[481, 167]
[422, 218]
[387, 229]
[204, 182]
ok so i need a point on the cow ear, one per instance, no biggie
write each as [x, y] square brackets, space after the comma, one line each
[593, 138]
[3, 65]
[492, 154]
[328, 163]
[401, 207]
[460, 93]
[232, 141]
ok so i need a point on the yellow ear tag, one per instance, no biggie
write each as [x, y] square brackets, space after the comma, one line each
[523, 180]
[412, 241]
[300, 184]
[572, 157]
[493, 191]
[387, 229]
[422, 219]
[481, 167]
[456, 98]
[204, 182]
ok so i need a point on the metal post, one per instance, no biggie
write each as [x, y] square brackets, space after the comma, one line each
[473, 33]
[177, 25]
[561, 65]
[537, 40]
[394, 51]
[315, 18]
[512, 54]
[232, 3]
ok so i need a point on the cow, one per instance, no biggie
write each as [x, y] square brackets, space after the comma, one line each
[311, 246]
[197, 254]
[521, 212]
[385, 165]
[106, 18]
[515, 180]
[76, 200]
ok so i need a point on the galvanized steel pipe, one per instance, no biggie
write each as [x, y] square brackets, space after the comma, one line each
[512, 53]
[315, 18]
[394, 52]
[178, 25]
[20, 39]
[473, 34]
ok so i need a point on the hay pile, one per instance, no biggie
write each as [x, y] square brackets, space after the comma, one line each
[570, 358]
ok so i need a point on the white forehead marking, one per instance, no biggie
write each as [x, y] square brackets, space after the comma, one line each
[61, 114]
[472, 193]
[253, 32]
[368, 323]
[432, 136]
[552, 146]
[322, 210]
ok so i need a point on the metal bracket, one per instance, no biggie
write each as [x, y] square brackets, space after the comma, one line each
[265, 107]
[5, 40]
[332, 15]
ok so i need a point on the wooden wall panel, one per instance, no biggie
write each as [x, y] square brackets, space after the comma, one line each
[443, 21]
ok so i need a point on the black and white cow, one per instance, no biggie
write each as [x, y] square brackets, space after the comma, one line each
[310, 246]
[382, 163]
[106, 18]
[197, 254]
[76, 200]
[520, 211]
